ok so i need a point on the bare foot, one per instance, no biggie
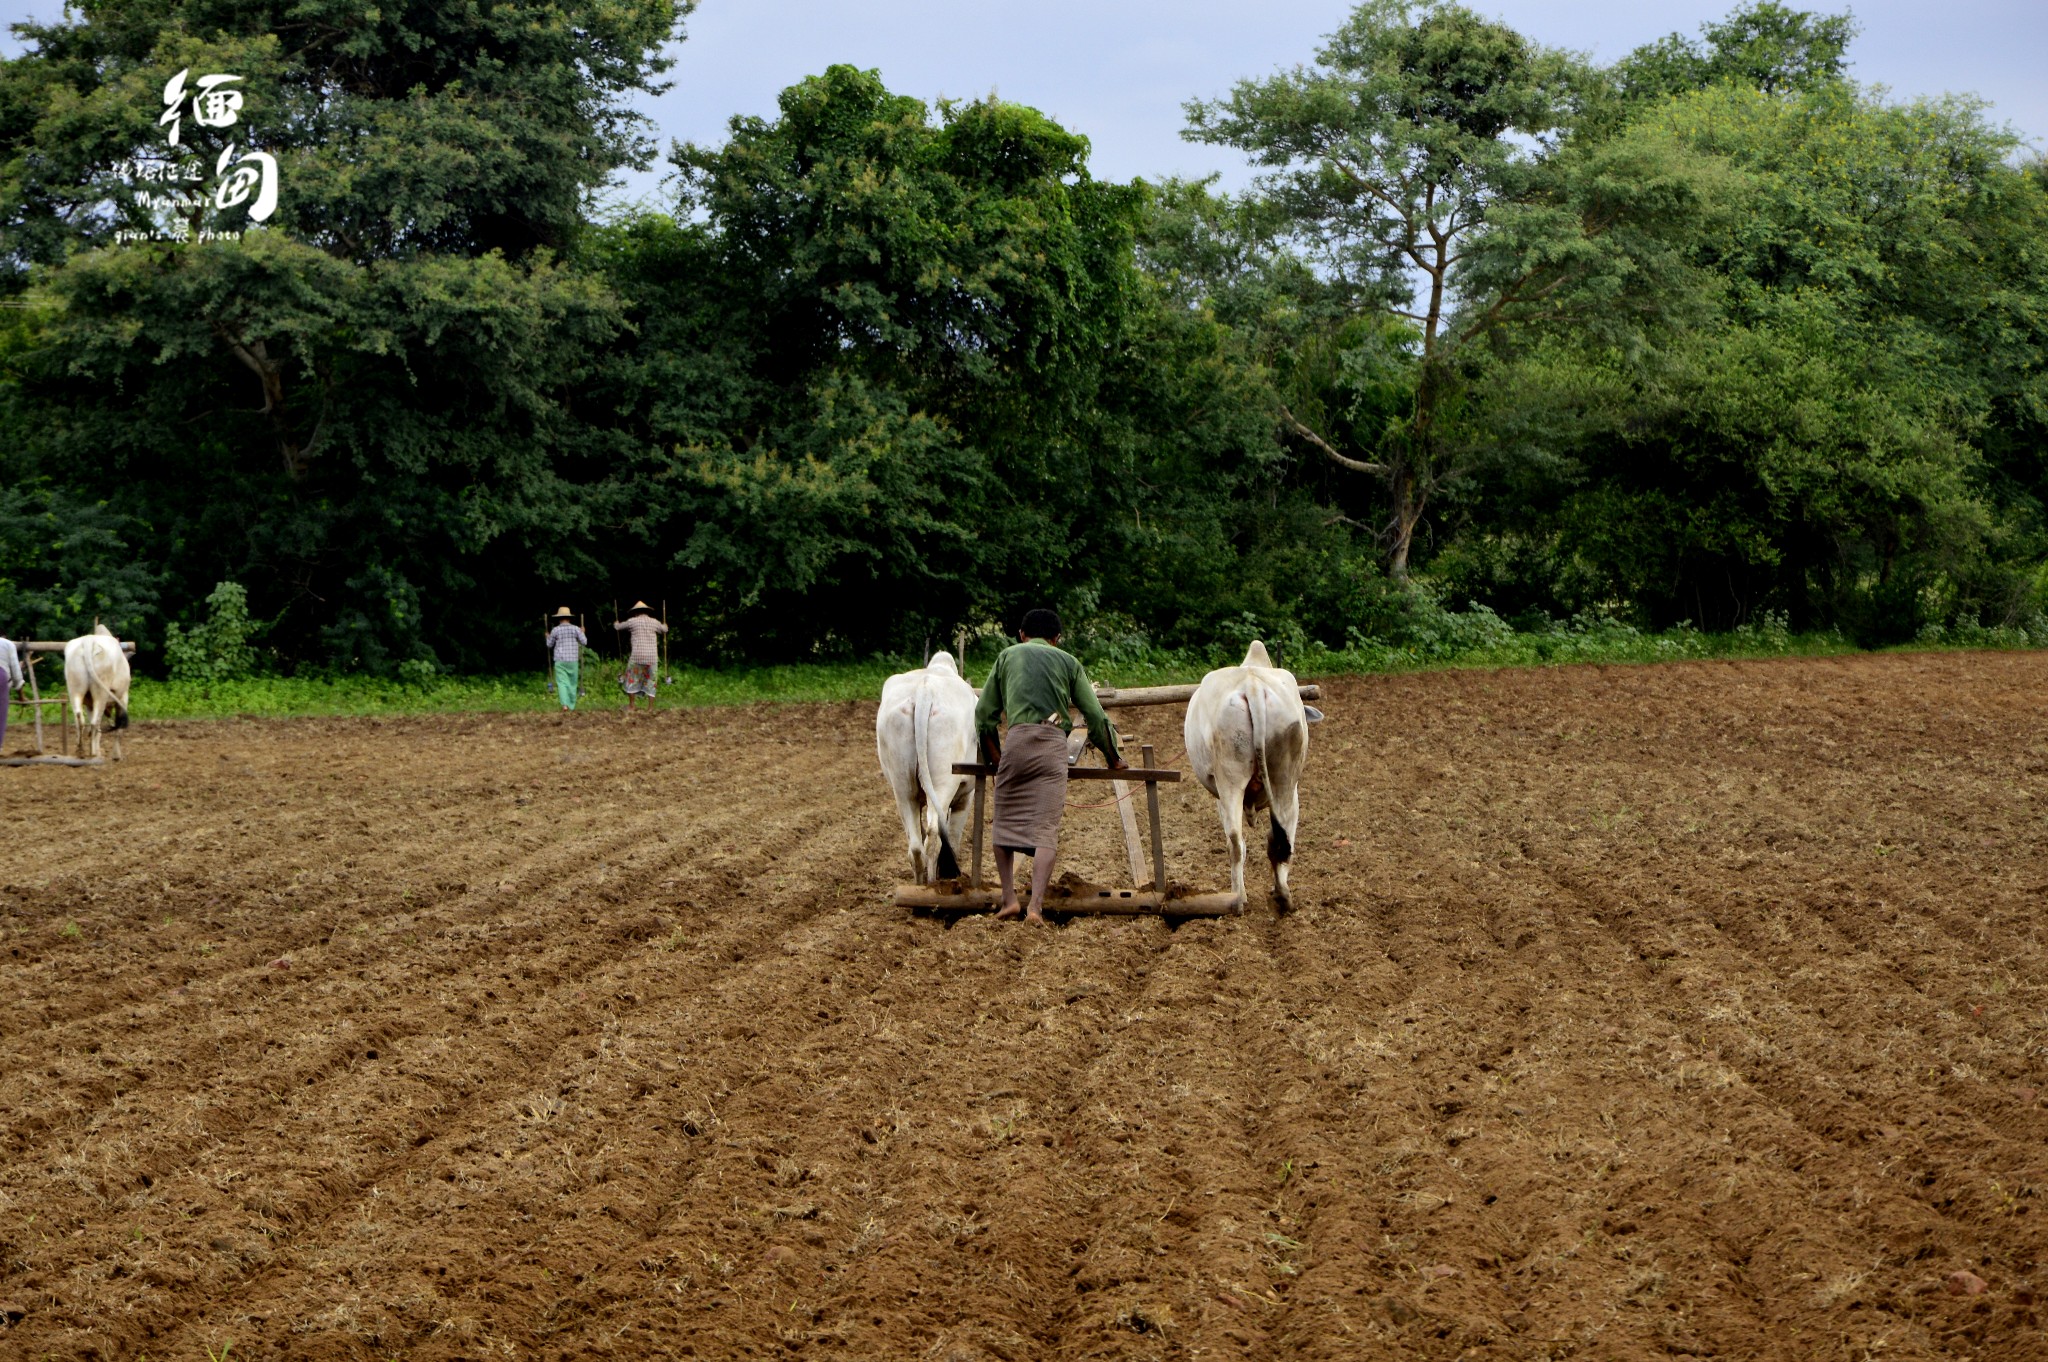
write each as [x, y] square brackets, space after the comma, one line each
[1009, 912]
[1035, 917]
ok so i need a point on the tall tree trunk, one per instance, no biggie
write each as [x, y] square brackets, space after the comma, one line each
[256, 356]
[1412, 476]
[1407, 509]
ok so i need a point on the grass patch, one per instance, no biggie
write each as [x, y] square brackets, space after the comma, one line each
[290, 697]
[1475, 639]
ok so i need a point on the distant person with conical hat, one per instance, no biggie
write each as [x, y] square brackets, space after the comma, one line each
[567, 642]
[641, 628]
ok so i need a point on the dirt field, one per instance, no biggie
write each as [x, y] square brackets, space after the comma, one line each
[1627, 1013]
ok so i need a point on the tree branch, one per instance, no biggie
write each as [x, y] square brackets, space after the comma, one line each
[1293, 423]
[256, 356]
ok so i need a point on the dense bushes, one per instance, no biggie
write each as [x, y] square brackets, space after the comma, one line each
[1731, 345]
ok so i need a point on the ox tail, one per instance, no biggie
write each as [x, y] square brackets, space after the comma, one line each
[1279, 850]
[120, 716]
[1279, 847]
[947, 861]
[1254, 713]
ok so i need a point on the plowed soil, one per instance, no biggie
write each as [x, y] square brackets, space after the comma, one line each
[1625, 1013]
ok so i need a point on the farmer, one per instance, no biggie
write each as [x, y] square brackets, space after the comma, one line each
[641, 628]
[1034, 683]
[567, 643]
[10, 664]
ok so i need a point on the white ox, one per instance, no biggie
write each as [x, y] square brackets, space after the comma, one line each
[96, 675]
[1247, 737]
[925, 724]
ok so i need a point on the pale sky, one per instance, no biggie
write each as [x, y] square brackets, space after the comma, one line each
[1118, 71]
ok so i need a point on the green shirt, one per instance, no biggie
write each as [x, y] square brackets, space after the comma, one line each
[1034, 682]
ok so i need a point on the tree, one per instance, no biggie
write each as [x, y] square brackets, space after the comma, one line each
[1422, 155]
[1849, 430]
[1762, 46]
[868, 354]
[364, 403]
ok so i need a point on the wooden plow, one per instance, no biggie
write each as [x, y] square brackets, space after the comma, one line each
[1159, 899]
[31, 653]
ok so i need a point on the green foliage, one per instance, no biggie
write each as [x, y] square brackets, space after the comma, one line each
[404, 129]
[1707, 340]
[65, 564]
[385, 373]
[1868, 323]
[220, 648]
[1425, 166]
[873, 367]
[1760, 46]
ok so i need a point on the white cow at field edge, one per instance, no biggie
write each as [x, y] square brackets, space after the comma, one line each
[925, 724]
[1247, 738]
[96, 673]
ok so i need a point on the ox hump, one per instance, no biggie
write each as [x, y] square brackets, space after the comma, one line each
[1256, 656]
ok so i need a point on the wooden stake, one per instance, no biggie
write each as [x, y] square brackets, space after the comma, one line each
[35, 693]
[1129, 815]
[1152, 808]
[979, 781]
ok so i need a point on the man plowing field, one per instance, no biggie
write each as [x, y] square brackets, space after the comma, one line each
[1033, 684]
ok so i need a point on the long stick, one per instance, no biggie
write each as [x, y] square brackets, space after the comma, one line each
[978, 786]
[1152, 812]
[35, 693]
[1122, 790]
[547, 675]
[664, 641]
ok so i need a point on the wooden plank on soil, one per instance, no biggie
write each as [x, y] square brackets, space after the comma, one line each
[1105, 901]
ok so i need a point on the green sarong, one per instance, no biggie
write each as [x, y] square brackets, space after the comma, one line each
[566, 682]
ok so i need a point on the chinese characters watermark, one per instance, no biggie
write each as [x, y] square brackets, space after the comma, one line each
[212, 107]
[250, 178]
